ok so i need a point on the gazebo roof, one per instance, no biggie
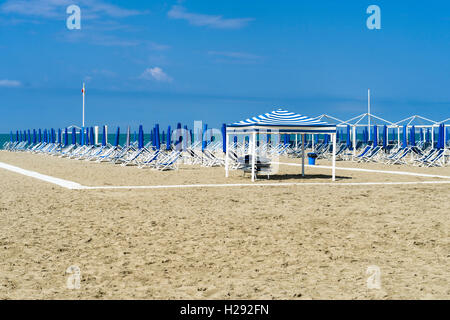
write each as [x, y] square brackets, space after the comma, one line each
[283, 121]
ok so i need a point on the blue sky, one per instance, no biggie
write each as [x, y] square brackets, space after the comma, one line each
[219, 61]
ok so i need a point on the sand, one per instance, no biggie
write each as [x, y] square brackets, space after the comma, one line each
[295, 242]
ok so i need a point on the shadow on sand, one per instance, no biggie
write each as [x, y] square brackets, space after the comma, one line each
[282, 177]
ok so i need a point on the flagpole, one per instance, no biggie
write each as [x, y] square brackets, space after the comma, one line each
[83, 103]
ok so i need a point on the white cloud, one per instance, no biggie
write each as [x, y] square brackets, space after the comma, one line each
[10, 83]
[235, 55]
[213, 21]
[55, 9]
[155, 73]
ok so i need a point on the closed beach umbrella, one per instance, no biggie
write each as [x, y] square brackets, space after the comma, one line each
[59, 136]
[82, 136]
[104, 136]
[412, 139]
[74, 136]
[348, 141]
[204, 138]
[34, 136]
[421, 135]
[375, 135]
[66, 137]
[385, 136]
[116, 141]
[179, 137]
[443, 136]
[45, 135]
[185, 136]
[11, 136]
[86, 136]
[224, 137]
[128, 137]
[428, 135]
[326, 139]
[17, 135]
[405, 140]
[438, 145]
[141, 138]
[157, 137]
[40, 136]
[169, 137]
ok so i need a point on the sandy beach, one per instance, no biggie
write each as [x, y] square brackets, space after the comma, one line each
[269, 242]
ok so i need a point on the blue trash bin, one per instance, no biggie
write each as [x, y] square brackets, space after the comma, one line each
[312, 158]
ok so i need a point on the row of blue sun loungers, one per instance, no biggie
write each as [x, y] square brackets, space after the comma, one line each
[411, 155]
[149, 157]
[146, 157]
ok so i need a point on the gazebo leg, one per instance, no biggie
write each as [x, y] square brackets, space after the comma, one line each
[334, 157]
[303, 155]
[253, 155]
[226, 154]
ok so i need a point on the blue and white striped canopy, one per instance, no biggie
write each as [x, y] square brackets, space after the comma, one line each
[284, 121]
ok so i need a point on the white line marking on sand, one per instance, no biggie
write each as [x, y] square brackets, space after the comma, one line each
[267, 185]
[404, 173]
[73, 185]
[60, 182]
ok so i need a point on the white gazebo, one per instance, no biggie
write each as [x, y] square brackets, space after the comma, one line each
[280, 122]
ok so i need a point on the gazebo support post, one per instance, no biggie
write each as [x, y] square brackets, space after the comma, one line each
[303, 155]
[253, 155]
[226, 153]
[354, 142]
[432, 136]
[333, 136]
